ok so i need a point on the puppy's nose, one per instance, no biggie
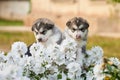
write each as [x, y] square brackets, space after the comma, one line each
[78, 36]
[40, 39]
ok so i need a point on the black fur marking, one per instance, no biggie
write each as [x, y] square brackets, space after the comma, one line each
[60, 39]
[28, 51]
[33, 26]
[43, 23]
[68, 23]
[49, 26]
[84, 49]
[77, 21]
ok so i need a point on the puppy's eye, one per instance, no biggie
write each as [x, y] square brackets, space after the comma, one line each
[43, 32]
[73, 29]
[36, 32]
[83, 29]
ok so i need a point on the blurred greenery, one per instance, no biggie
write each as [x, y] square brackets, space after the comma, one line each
[113, 2]
[4, 22]
[117, 1]
[111, 46]
[8, 38]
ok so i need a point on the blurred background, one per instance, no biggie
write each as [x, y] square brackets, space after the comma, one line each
[17, 16]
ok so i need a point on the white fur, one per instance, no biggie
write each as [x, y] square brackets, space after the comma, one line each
[52, 40]
[69, 34]
[50, 37]
[44, 37]
[74, 34]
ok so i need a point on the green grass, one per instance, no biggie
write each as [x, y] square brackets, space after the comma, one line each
[4, 22]
[111, 46]
[8, 38]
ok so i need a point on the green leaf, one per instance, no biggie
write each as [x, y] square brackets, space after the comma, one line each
[109, 67]
[118, 75]
[68, 79]
[59, 76]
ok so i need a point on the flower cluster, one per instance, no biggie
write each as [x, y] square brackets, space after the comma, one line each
[57, 62]
[109, 70]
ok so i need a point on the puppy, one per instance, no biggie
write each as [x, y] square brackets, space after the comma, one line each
[77, 29]
[46, 32]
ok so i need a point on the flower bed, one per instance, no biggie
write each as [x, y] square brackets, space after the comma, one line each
[57, 62]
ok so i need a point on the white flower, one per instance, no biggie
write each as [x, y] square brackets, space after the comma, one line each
[37, 49]
[68, 44]
[19, 48]
[38, 69]
[97, 49]
[12, 58]
[44, 78]
[97, 69]
[64, 77]
[11, 72]
[70, 56]
[98, 72]
[51, 48]
[89, 75]
[50, 54]
[53, 69]
[60, 59]
[52, 61]
[21, 78]
[95, 56]
[115, 61]
[74, 70]
[80, 78]
[69, 48]
[80, 56]
[71, 75]
[23, 61]
[52, 76]
[2, 66]
[2, 57]
[53, 54]
[35, 64]
[78, 74]
[73, 67]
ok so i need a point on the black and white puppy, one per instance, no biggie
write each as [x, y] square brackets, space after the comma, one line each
[77, 29]
[46, 32]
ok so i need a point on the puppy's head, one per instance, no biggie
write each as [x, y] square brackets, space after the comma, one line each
[77, 28]
[42, 29]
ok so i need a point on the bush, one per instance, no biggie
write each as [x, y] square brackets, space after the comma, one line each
[57, 62]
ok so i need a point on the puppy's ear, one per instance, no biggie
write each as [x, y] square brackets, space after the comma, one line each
[86, 24]
[50, 26]
[33, 26]
[68, 23]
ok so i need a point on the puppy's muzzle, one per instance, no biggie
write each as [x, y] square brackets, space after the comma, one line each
[78, 36]
[40, 39]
